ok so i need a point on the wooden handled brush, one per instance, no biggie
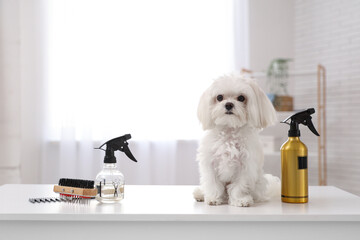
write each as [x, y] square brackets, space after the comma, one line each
[76, 188]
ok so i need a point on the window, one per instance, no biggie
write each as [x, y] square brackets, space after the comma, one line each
[136, 66]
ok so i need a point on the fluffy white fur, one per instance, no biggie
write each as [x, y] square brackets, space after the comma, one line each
[230, 154]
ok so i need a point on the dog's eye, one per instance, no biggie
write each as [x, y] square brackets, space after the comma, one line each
[220, 98]
[241, 98]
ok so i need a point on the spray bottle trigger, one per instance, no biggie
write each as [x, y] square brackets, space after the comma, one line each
[119, 143]
[128, 153]
[311, 126]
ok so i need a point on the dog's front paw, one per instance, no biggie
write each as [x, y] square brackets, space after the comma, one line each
[244, 201]
[214, 201]
[198, 194]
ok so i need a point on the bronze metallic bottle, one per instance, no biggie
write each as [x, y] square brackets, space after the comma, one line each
[294, 159]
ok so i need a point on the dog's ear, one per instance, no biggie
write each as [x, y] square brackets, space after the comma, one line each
[204, 111]
[261, 111]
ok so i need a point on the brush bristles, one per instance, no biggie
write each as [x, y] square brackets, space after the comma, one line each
[78, 183]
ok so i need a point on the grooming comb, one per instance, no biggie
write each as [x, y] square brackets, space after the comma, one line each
[75, 188]
[47, 199]
[59, 199]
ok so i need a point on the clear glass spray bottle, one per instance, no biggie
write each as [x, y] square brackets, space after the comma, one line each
[110, 181]
[110, 184]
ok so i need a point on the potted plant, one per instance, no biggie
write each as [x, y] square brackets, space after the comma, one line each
[277, 81]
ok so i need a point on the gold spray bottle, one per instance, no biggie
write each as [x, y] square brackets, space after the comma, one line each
[294, 173]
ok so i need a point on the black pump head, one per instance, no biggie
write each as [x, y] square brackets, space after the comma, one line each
[119, 143]
[301, 117]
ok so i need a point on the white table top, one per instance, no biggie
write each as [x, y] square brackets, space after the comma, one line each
[174, 203]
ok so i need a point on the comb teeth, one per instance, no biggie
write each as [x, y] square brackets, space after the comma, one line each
[78, 183]
[66, 199]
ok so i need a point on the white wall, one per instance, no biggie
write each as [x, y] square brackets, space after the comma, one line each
[313, 32]
[328, 32]
[271, 32]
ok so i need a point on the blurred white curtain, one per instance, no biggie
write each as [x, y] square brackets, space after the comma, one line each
[22, 70]
[94, 70]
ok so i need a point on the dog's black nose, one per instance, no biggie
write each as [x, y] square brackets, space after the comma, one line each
[229, 106]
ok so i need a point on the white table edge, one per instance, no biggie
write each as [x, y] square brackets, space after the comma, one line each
[180, 218]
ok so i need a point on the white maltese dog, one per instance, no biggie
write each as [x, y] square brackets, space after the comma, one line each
[233, 110]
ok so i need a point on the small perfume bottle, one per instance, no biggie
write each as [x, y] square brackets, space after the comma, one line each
[110, 181]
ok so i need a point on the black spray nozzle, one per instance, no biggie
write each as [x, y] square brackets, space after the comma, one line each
[119, 143]
[301, 117]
